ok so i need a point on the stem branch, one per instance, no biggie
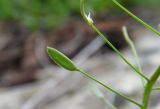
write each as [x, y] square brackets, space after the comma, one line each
[108, 42]
[107, 87]
[118, 52]
[136, 18]
[149, 87]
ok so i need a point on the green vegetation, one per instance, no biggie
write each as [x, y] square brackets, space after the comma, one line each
[38, 14]
[148, 83]
[63, 61]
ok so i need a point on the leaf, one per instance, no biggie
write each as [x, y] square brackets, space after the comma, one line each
[60, 59]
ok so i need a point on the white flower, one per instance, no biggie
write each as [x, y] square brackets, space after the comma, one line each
[89, 18]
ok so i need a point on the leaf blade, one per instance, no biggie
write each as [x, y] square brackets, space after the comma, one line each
[61, 60]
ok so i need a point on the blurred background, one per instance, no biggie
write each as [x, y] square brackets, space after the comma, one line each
[30, 80]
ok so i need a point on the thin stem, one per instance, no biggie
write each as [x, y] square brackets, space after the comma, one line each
[136, 18]
[107, 87]
[156, 88]
[108, 42]
[119, 53]
[149, 87]
[133, 48]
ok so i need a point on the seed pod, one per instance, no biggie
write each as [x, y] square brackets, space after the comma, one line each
[60, 59]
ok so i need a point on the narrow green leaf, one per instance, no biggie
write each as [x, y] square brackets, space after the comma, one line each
[60, 59]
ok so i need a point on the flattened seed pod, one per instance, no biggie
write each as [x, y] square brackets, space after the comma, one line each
[60, 59]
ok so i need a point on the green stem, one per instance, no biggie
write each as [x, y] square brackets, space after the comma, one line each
[133, 48]
[107, 87]
[119, 53]
[136, 18]
[108, 42]
[156, 88]
[149, 87]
